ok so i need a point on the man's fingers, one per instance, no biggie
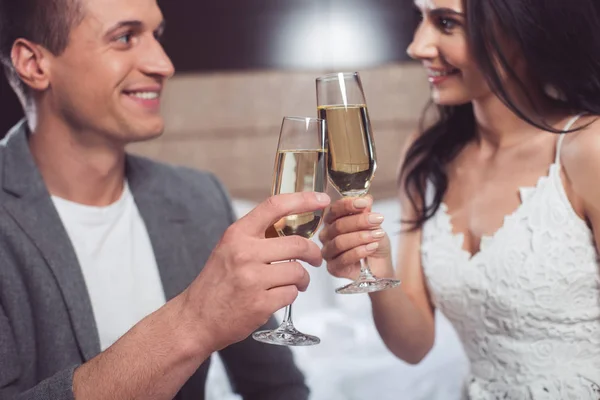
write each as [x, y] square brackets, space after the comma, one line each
[257, 221]
[290, 248]
[282, 296]
[286, 274]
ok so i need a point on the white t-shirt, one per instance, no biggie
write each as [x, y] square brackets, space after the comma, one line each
[117, 260]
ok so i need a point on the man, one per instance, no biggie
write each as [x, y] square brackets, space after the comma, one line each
[120, 276]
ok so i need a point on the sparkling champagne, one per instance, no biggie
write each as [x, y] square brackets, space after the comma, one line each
[351, 159]
[300, 171]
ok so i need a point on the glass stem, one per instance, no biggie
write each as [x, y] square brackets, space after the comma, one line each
[287, 317]
[365, 272]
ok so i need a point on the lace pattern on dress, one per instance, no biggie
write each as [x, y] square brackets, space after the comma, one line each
[527, 305]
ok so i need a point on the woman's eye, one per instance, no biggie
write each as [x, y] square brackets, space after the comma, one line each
[447, 24]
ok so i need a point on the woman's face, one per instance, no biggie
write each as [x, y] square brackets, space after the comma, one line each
[440, 43]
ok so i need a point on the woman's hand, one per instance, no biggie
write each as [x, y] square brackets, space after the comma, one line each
[352, 232]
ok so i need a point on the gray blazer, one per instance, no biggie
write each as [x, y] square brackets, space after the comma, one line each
[47, 326]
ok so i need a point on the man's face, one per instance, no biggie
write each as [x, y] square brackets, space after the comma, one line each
[107, 83]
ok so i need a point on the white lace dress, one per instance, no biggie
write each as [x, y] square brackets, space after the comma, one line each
[527, 305]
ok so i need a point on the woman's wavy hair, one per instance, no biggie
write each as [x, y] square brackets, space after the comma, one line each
[560, 45]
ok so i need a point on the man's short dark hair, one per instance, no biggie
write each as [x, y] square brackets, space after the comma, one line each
[45, 22]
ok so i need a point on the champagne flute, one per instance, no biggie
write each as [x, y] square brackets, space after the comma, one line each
[351, 159]
[300, 166]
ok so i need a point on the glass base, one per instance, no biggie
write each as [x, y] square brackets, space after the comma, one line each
[286, 335]
[368, 286]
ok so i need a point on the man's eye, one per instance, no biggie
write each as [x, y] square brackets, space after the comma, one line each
[125, 39]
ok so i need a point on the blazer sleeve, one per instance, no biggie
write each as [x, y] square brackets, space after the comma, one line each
[57, 387]
[259, 371]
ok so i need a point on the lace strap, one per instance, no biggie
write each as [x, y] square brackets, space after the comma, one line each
[561, 136]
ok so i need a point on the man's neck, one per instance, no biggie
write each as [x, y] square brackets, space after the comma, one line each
[75, 169]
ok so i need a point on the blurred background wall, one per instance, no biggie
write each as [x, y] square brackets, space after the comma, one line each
[244, 64]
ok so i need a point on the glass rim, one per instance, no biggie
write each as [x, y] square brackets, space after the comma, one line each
[303, 119]
[336, 75]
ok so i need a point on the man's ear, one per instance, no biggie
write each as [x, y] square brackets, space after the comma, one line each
[31, 64]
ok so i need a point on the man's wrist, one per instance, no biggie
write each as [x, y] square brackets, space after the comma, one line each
[191, 336]
[153, 360]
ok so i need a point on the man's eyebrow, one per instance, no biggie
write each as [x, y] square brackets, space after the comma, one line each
[135, 24]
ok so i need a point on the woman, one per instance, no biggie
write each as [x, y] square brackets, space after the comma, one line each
[499, 211]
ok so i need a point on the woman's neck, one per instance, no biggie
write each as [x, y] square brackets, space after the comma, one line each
[497, 126]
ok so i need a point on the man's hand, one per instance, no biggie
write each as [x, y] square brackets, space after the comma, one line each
[239, 289]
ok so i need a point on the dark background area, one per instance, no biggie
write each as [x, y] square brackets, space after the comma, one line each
[237, 35]
[10, 109]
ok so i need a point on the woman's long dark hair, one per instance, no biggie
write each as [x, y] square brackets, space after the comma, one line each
[559, 41]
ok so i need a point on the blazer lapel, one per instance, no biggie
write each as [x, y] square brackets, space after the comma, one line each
[29, 204]
[166, 222]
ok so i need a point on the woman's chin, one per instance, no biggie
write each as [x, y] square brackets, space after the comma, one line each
[446, 98]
